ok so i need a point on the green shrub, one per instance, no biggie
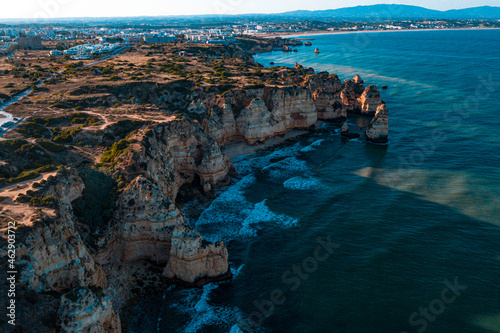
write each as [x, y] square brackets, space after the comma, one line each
[46, 168]
[116, 150]
[8, 146]
[25, 175]
[47, 201]
[66, 136]
[50, 146]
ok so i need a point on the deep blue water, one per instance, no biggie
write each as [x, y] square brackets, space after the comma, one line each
[403, 217]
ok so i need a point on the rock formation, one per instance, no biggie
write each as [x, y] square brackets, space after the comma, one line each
[256, 114]
[370, 100]
[192, 259]
[56, 257]
[86, 311]
[148, 225]
[378, 130]
[179, 152]
[161, 160]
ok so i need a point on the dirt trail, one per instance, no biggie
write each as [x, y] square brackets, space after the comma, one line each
[20, 213]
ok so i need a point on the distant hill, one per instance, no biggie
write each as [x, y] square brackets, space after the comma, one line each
[354, 14]
[395, 12]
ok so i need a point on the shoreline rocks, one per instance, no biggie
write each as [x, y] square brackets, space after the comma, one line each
[378, 130]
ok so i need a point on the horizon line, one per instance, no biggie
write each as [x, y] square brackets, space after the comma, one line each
[229, 15]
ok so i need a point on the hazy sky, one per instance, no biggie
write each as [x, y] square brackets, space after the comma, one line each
[95, 8]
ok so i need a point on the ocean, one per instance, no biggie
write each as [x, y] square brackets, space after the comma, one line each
[337, 235]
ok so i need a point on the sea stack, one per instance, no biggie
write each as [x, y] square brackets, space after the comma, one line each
[345, 132]
[308, 44]
[378, 130]
[345, 127]
[316, 51]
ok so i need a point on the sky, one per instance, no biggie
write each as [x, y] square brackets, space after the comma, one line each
[104, 8]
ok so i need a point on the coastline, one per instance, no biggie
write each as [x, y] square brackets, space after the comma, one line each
[327, 32]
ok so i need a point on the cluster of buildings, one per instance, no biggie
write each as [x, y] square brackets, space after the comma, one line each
[88, 51]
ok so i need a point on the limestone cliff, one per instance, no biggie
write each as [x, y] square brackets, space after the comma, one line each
[378, 130]
[56, 257]
[194, 260]
[86, 311]
[147, 224]
[178, 152]
[370, 100]
[256, 114]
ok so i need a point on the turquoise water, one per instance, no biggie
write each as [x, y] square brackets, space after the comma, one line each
[402, 219]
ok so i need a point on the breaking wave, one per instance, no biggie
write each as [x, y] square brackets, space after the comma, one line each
[312, 146]
[302, 184]
[196, 304]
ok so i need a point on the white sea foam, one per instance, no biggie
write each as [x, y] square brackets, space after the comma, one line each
[285, 169]
[231, 216]
[250, 163]
[312, 146]
[302, 183]
[262, 214]
[196, 303]
[224, 216]
[236, 271]
[235, 329]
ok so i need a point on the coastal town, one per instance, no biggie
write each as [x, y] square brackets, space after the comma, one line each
[104, 39]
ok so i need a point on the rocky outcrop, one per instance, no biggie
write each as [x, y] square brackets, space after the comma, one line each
[326, 89]
[57, 258]
[193, 259]
[143, 225]
[148, 225]
[351, 91]
[86, 311]
[378, 130]
[264, 113]
[370, 100]
[55, 261]
[254, 115]
[178, 152]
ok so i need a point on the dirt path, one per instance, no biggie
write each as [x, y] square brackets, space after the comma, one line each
[20, 213]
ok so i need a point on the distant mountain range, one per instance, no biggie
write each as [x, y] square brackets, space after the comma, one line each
[395, 12]
[353, 14]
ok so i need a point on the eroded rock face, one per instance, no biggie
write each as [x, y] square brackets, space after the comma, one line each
[193, 259]
[179, 152]
[326, 89]
[148, 225]
[143, 225]
[57, 258]
[370, 100]
[254, 115]
[349, 95]
[378, 130]
[273, 111]
[86, 311]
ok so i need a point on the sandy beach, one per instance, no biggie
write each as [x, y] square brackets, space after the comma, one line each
[298, 35]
